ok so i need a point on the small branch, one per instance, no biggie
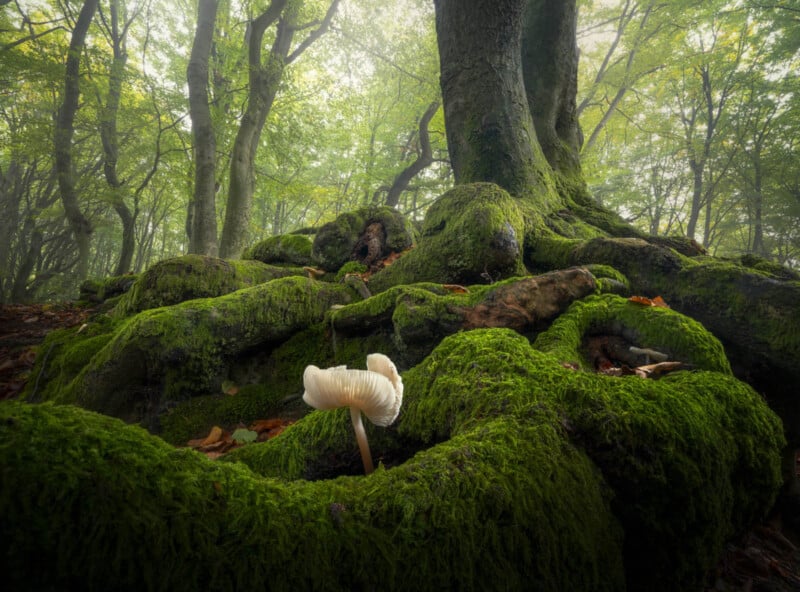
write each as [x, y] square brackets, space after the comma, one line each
[316, 34]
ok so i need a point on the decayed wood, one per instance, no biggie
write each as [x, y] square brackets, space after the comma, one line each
[521, 305]
[371, 245]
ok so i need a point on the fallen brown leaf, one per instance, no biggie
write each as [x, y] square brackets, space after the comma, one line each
[215, 435]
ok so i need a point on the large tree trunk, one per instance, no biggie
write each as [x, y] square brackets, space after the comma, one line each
[490, 131]
[202, 219]
[80, 225]
[550, 71]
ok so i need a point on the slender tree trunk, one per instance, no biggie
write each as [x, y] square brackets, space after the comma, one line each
[757, 208]
[109, 137]
[423, 160]
[19, 290]
[202, 219]
[64, 131]
[12, 189]
[264, 82]
[550, 71]
[697, 197]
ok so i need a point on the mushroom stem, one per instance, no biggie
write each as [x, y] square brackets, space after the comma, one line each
[361, 438]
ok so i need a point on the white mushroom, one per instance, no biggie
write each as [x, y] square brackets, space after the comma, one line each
[378, 392]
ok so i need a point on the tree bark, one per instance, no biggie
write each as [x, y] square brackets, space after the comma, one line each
[202, 219]
[550, 72]
[81, 227]
[424, 159]
[109, 137]
[490, 131]
[265, 81]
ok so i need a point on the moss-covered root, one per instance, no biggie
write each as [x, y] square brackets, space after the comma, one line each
[690, 459]
[175, 352]
[284, 249]
[661, 329]
[516, 460]
[93, 504]
[194, 276]
[471, 235]
[421, 315]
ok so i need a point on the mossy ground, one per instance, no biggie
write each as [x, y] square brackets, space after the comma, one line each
[516, 470]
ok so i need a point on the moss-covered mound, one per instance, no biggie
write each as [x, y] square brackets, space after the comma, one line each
[337, 242]
[473, 234]
[100, 290]
[171, 353]
[513, 472]
[286, 249]
[194, 276]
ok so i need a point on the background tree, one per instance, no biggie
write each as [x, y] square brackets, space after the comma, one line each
[81, 227]
[201, 221]
[264, 81]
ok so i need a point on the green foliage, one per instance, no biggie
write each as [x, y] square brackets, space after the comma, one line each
[688, 121]
[244, 436]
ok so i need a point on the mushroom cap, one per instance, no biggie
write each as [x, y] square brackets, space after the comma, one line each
[371, 392]
[383, 365]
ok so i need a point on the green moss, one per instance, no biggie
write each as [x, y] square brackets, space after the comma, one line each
[485, 508]
[609, 280]
[287, 249]
[472, 234]
[100, 290]
[510, 469]
[693, 459]
[350, 267]
[545, 250]
[176, 280]
[662, 329]
[766, 266]
[737, 298]
[63, 354]
[195, 417]
[172, 353]
[335, 243]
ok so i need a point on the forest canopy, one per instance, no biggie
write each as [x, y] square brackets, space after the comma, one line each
[687, 109]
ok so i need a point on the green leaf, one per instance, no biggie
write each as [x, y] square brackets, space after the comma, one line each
[243, 436]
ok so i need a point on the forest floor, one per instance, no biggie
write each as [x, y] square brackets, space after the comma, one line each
[765, 559]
